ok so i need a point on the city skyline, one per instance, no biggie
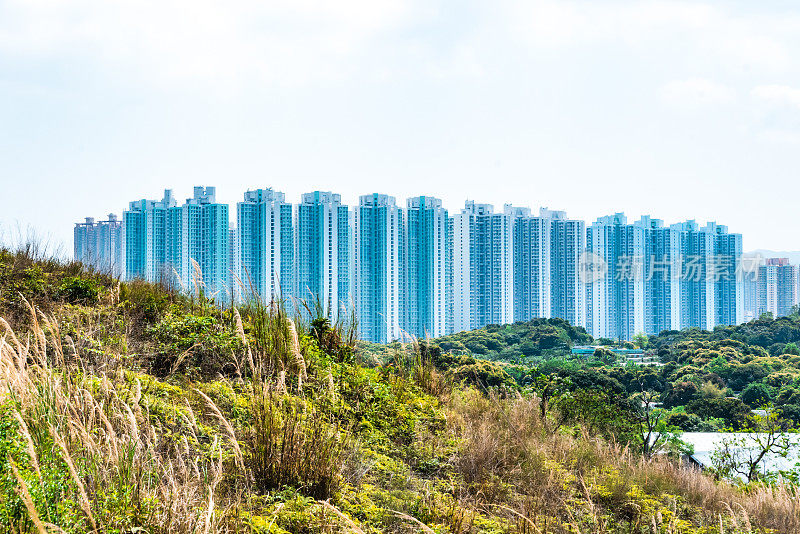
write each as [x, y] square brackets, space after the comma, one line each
[62, 246]
[417, 269]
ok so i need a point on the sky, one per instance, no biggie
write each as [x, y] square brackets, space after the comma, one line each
[680, 110]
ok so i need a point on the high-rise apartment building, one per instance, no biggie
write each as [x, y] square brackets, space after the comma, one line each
[235, 284]
[84, 239]
[416, 271]
[567, 288]
[265, 247]
[697, 281]
[323, 252]
[109, 245]
[99, 244]
[777, 283]
[144, 229]
[378, 258]
[449, 278]
[728, 284]
[197, 236]
[483, 271]
[662, 272]
[615, 292]
[532, 269]
[426, 268]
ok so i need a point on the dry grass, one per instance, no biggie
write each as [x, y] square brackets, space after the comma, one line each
[289, 443]
[103, 435]
[512, 462]
[126, 467]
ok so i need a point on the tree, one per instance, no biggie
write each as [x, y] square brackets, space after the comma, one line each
[681, 394]
[742, 455]
[733, 411]
[598, 412]
[757, 395]
[641, 340]
[656, 434]
[605, 355]
[791, 348]
[547, 387]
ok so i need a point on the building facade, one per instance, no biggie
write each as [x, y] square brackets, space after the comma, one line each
[416, 271]
[662, 272]
[777, 287]
[615, 292]
[265, 247]
[697, 287]
[144, 229]
[84, 237]
[728, 283]
[483, 272]
[323, 252]
[378, 259]
[532, 268]
[426, 268]
[197, 251]
[567, 288]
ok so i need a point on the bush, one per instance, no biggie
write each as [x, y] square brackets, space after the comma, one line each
[733, 411]
[291, 444]
[144, 300]
[194, 343]
[77, 290]
[757, 395]
[681, 394]
[484, 374]
[689, 422]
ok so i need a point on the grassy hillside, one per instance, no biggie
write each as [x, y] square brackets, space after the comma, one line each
[129, 408]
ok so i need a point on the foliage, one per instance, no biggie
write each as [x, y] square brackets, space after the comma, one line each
[518, 341]
[144, 411]
[757, 395]
[743, 454]
[194, 344]
[289, 443]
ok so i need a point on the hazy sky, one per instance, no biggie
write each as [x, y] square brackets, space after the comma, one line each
[674, 109]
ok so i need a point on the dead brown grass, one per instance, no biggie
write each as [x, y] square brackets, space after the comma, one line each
[513, 463]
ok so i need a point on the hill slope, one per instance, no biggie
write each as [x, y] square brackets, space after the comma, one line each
[128, 408]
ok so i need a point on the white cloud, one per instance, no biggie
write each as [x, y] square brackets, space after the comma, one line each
[163, 41]
[696, 92]
[703, 31]
[778, 94]
[298, 42]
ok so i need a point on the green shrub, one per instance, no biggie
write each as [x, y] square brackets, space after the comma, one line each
[289, 443]
[757, 395]
[192, 343]
[78, 290]
[145, 300]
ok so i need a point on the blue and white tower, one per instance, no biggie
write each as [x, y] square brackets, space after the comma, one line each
[377, 256]
[144, 229]
[265, 246]
[197, 244]
[323, 252]
[426, 268]
[483, 273]
[615, 294]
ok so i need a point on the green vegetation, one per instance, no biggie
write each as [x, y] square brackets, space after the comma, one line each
[521, 342]
[129, 408]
